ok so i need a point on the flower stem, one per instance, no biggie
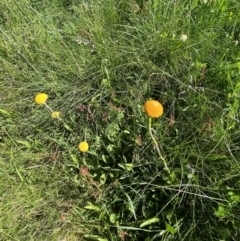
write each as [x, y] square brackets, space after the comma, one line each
[48, 107]
[156, 145]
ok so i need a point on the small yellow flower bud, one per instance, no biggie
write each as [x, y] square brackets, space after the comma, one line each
[55, 114]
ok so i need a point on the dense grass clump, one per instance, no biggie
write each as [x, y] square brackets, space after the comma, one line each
[98, 62]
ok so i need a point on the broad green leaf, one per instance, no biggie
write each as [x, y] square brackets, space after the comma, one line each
[113, 218]
[221, 212]
[104, 158]
[105, 83]
[169, 228]
[74, 158]
[94, 237]
[25, 143]
[91, 206]
[103, 178]
[67, 127]
[129, 166]
[120, 165]
[169, 216]
[232, 125]
[149, 221]
[5, 112]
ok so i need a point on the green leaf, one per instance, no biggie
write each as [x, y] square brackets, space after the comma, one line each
[113, 218]
[103, 178]
[91, 206]
[5, 112]
[129, 166]
[131, 207]
[149, 221]
[221, 212]
[20, 175]
[74, 158]
[104, 158]
[94, 237]
[105, 83]
[122, 166]
[25, 143]
[170, 228]
[67, 127]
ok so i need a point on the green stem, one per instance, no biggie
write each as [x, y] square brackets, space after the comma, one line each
[48, 107]
[156, 145]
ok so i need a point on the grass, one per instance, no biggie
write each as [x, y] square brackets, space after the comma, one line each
[99, 61]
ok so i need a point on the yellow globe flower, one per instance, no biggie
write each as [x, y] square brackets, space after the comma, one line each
[55, 114]
[153, 108]
[41, 98]
[83, 146]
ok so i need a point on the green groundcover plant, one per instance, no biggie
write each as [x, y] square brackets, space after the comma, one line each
[134, 130]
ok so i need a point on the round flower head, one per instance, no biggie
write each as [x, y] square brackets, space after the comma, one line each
[55, 114]
[153, 108]
[41, 98]
[83, 146]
